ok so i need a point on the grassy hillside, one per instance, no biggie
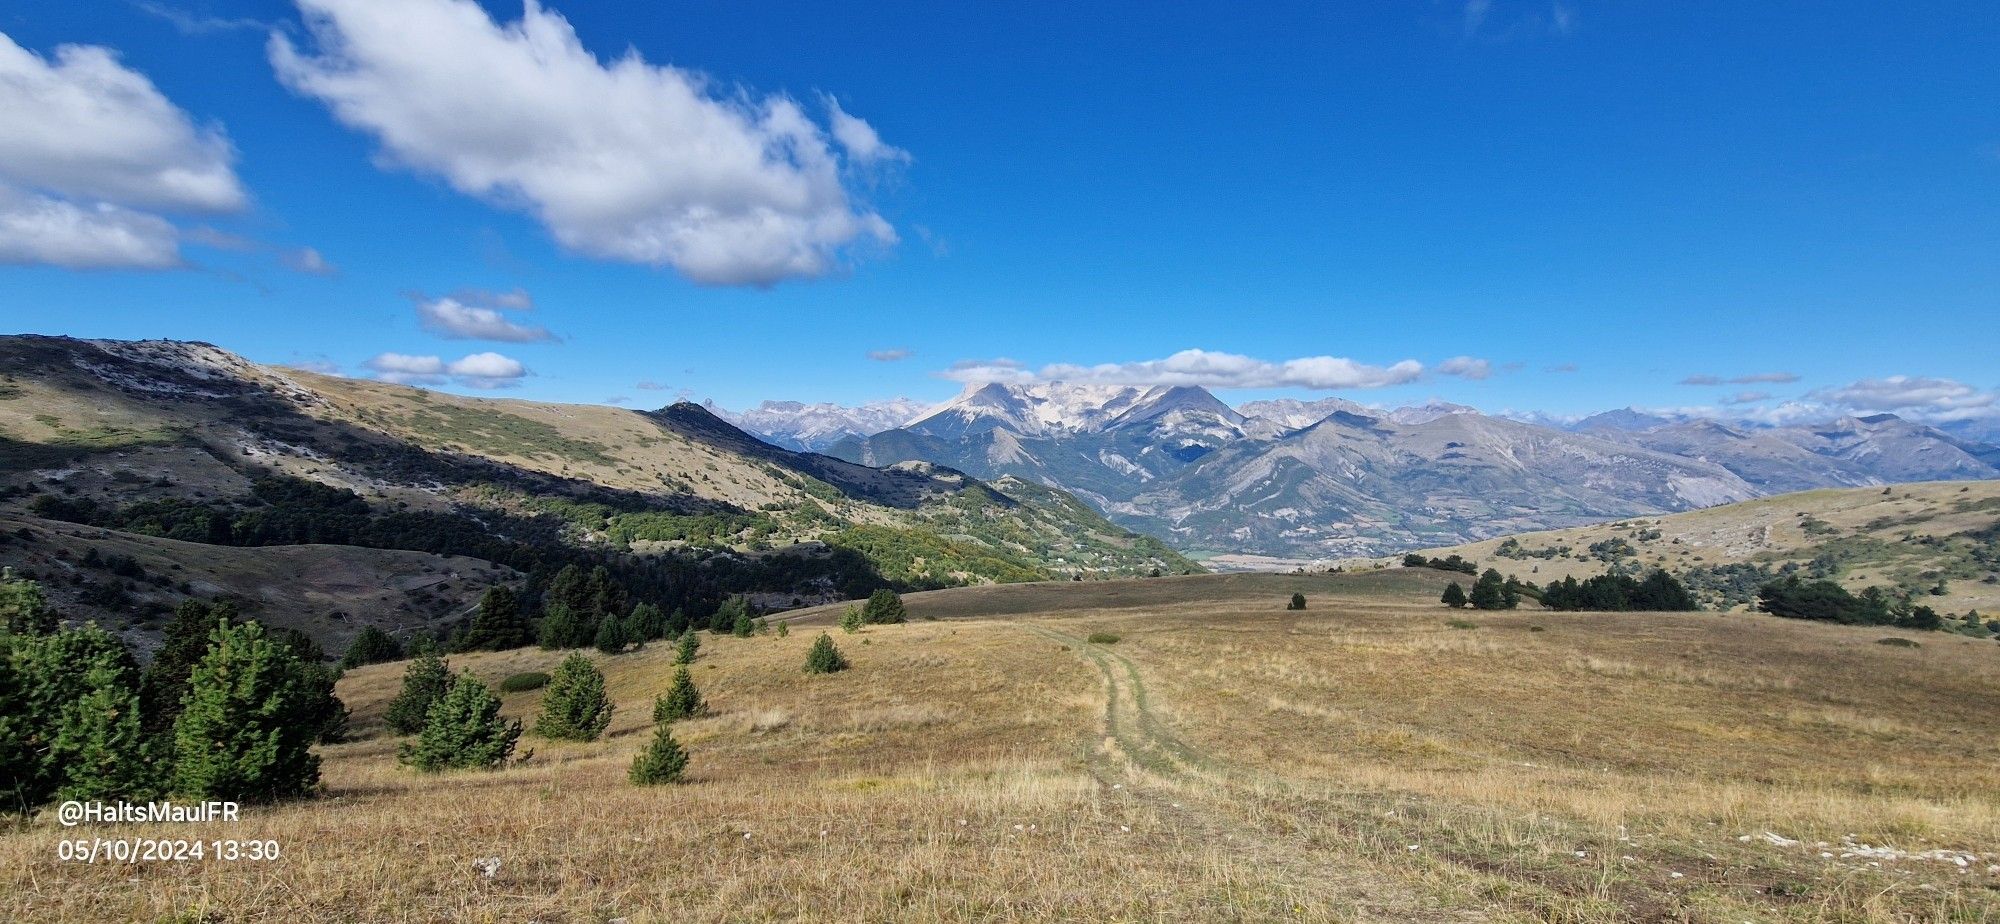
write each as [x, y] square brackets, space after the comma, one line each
[186, 441]
[1223, 760]
[330, 592]
[1907, 536]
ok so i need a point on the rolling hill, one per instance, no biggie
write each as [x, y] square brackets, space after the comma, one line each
[185, 441]
[1914, 538]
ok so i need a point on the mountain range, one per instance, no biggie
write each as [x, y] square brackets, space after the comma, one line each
[137, 474]
[1333, 478]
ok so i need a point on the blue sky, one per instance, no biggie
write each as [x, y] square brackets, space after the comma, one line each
[1639, 192]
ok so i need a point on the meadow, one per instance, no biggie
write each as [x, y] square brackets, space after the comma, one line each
[1210, 757]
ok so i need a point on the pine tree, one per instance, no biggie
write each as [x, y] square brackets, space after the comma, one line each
[1298, 602]
[725, 616]
[1489, 592]
[850, 620]
[824, 658]
[647, 623]
[611, 638]
[425, 681]
[681, 701]
[677, 623]
[884, 608]
[575, 707]
[784, 628]
[607, 597]
[17, 731]
[101, 743]
[499, 624]
[249, 721]
[164, 683]
[562, 627]
[1454, 595]
[744, 626]
[684, 652]
[23, 608]
[372, 646]
[73, 728]
[663, 761]
[462, 730]
[571, 590]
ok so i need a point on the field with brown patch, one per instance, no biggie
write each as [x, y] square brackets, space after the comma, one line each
[1224, 759]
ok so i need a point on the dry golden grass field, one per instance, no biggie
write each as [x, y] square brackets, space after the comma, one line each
[1222, 760]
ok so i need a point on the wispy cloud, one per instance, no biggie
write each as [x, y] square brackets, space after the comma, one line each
[1466, 367]
[1755, 378]
[650, 385]
[307, 260]
[1205, 368]
[1561, 368]
[454, 319]
[190, 23]
[1747, 397]
[897, 354]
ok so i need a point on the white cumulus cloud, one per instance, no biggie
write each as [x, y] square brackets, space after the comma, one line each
[1205, 368]
[1923, 397]
[454, 319]
[479, 370]
[621, 160]
[90, 150]
[38, 229]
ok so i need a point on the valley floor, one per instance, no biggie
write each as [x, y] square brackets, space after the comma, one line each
[1222, 760]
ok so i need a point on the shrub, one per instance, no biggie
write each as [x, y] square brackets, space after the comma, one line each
[884, 608]
[1461, 624]
[784, 628]
[1454, 596]
[252, 713]
[23, 609]
[575, 707]
[663, 761]
[681, 701]
[462, 731]
[1895, 642]
[1103, 638]
[523, 682]
[1298, 602]
[372, 646]
[425, 681]
[824, 658]
[851, 620]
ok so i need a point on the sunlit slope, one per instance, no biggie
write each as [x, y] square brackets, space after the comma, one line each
[1223, 759]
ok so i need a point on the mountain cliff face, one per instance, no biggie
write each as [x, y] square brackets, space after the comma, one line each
[1332, 478]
